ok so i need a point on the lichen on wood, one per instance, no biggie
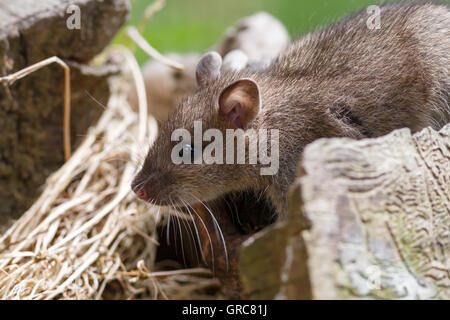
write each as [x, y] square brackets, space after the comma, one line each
[379, 223]
[380, 216]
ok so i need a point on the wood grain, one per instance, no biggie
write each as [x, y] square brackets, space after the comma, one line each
[369, 219]
[380, 214]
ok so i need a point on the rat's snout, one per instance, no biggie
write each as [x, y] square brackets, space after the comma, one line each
[142, 194]
[138, 187]
[150, 187]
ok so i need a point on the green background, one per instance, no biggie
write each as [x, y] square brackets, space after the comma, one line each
[195, 25]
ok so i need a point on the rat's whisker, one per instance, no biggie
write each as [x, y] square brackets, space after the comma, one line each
[174, 224]
[217, 226]
[181, 238]
[208, 235]
[188, 208]
[178, 209]
[234, 212]
[167, 229]
[188, 227]
[141, 185]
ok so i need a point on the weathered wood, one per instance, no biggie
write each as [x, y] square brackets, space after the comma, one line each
[35, 30]
[379, 212]
[31, 108]
[273, 262]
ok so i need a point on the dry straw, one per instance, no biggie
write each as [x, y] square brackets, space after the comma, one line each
[87, 237]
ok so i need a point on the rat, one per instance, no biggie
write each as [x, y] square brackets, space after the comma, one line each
[344, 80]
[254, 40]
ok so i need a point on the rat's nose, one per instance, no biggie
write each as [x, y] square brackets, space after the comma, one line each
[142, 194]
[139, 188]
[150, 187]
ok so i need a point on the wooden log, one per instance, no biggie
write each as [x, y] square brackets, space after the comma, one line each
[273, 262]
[379, 214]
[31, 31]
[31, 108]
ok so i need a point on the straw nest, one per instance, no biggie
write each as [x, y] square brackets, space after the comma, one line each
[86, 236]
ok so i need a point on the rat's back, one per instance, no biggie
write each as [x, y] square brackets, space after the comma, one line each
[395, 70]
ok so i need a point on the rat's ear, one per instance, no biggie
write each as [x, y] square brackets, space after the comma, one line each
[208, 68]
[240, 103]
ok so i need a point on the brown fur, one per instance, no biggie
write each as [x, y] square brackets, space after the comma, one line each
[342, 81]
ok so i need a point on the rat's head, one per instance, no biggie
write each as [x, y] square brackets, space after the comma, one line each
[183, 166]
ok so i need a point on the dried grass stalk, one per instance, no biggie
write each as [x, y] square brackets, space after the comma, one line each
[87, 237]
[134, 34]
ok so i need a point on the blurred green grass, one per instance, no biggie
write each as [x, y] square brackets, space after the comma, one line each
[196, 25]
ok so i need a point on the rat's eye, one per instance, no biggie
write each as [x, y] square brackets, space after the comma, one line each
[187, 150]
